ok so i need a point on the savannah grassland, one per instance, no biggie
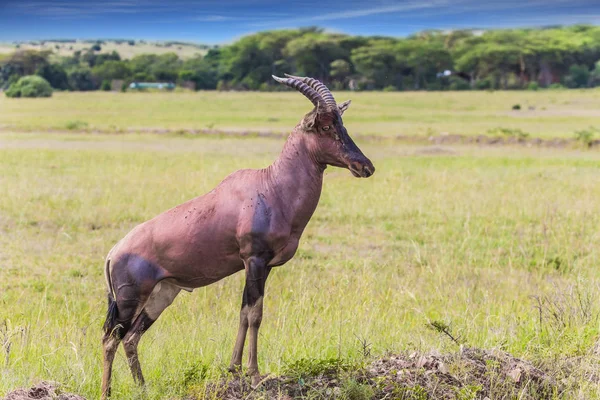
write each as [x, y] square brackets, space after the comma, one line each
[499, 243]
[544, 114]
[124, 49]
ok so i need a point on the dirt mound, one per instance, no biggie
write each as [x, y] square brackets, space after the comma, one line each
[470, 373]
[42, 391]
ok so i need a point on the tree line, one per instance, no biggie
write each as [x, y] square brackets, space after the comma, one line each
[430, 60]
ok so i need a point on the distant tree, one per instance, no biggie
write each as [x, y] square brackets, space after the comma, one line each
[30, 86]
[21, 63]
[97, 47]
[81, 78]
[55, 74]
[313, 54]
[378, 64]
[595, 75]
[340, 70]
[578, 77]
[110, 70]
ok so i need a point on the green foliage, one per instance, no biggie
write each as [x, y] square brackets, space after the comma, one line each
[587, 136]
[510, 132]
[516, 106]
[80, 78]
[353, 390]
[496, 59]
[312, 367]
[76, 125]
[456, 83]
[106, 86]
[110, 70]
[578, 76]
[55, 74]
[30, 86]
[595, 75]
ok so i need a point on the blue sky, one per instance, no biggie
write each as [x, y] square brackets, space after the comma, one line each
[223, 21]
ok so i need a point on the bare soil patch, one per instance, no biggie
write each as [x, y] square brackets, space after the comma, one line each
[42, 391]
[470, 373]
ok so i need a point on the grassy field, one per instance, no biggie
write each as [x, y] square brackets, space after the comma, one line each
[544, 114]
[125, 50]
[501, 244]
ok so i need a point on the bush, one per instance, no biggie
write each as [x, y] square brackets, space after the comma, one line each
[80, 78]
[516, 107]
[533, 86]
[457, 83]
[578, 77]
[390, 88]
[483, 84]
[105, 85]
[586, 136]
[30, 86]
[556, 86]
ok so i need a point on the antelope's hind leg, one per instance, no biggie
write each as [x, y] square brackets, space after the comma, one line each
[162, 296]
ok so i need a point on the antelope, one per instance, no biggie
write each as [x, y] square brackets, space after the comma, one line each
[251, 221]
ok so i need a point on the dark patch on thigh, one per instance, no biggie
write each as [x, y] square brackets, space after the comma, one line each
[133, 279]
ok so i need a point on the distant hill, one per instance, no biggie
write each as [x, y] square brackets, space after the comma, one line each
[126, 48]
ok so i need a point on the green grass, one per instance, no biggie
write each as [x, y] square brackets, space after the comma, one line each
[556, 113]
[475, 239]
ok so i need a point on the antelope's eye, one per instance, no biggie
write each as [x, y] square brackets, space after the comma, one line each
[326, 127]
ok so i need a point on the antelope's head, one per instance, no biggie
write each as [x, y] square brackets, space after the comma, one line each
[327, 137]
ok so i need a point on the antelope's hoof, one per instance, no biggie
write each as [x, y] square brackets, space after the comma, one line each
[235, 369]
[256, 381]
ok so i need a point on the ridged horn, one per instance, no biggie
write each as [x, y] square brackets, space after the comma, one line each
[303, 88]
[320, 88]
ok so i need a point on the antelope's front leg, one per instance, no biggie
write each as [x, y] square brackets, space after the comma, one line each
[257, 272]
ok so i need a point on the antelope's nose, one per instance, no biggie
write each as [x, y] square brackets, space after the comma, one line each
[362, 169]
[368, 170]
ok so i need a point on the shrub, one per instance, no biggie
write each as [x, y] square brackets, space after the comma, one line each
[578, 77]
[483, 84]
[516, 107]
[30, 86]
[457, 83]
[533, 86]
[390, 88]
[556, 86]
[105, 85]
[80, 78]
[586, 136]
[76, 125]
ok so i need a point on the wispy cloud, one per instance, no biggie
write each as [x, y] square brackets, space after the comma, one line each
[362, 12]
[213, 18]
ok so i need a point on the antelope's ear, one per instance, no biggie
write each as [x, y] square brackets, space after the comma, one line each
[344, 106]
[310, 120]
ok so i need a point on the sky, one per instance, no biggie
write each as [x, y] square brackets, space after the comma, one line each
[224, 21]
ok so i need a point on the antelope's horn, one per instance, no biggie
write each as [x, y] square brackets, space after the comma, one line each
[303, 88]
[320, 88]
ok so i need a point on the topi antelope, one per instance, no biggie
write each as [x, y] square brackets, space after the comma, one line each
[251, 221]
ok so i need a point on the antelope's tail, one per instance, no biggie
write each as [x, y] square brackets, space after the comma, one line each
[111, 315]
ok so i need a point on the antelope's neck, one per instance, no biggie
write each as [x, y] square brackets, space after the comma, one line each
[296, 178]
